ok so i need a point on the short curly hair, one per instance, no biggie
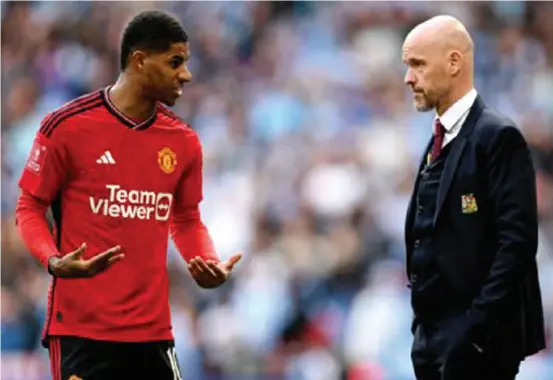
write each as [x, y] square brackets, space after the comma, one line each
[152, 31]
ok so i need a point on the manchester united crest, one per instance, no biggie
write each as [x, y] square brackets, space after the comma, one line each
[468, 204]
[167, 160]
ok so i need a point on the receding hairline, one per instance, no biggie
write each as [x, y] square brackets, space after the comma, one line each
[443, 30]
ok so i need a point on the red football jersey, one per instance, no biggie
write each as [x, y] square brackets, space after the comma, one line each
[111, 181]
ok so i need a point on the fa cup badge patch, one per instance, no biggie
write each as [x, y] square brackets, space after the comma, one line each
[468, 204]
[37, 157]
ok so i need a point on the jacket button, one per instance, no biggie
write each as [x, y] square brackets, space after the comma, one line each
[417, 243]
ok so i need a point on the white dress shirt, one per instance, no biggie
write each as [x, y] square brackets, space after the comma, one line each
[455, 116]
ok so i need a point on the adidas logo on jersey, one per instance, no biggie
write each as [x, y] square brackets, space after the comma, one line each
[106, 158]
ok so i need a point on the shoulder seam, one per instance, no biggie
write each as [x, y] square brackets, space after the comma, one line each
[171, 114]
[75, 107]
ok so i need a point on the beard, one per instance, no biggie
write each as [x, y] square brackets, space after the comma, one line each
[423, 103]
[425, 107]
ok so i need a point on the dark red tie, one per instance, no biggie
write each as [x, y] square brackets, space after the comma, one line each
[439, 134]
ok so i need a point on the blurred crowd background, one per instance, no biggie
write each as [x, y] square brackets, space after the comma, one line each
[311, 145]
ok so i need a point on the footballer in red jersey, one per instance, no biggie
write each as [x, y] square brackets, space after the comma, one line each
[120, 173]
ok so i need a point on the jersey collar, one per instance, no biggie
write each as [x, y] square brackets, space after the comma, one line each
[121, 117]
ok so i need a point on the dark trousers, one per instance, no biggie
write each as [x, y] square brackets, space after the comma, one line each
[437, 354]
[75, 358]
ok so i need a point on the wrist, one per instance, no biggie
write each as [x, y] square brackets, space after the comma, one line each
[52, 264]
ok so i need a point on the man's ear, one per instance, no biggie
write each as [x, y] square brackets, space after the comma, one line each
[138, 58]
[455, 61]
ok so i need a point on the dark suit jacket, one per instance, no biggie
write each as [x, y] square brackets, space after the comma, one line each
[486, 230]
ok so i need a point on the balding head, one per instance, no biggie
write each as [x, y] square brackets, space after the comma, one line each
[439, 56]
[443, 33]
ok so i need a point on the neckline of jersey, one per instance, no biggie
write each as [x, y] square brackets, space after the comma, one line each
[122, 117]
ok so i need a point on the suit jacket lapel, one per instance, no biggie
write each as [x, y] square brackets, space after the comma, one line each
[410, 208]
[455, 155]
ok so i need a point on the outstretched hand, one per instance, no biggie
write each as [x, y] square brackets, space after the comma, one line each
[211, 274]
[73, 265]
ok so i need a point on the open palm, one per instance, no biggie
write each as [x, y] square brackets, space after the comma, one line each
[210, 273]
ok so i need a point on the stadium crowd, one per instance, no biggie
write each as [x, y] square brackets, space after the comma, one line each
[311, 144]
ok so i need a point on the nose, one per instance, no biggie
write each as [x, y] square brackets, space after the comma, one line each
[409, 78]
[185, 75]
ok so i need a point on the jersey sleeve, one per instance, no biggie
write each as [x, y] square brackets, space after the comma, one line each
[186, 228]
[42, 178]
[190, 191]
[33, 228]
[47, 166]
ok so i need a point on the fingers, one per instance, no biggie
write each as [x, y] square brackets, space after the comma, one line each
[227, 266]
[105, 256]
[233, 261]
[195, 270]
[75, 255]
[199, 267]
[205, 274]
[116, 258]
[217, 270]
[104, 260]
[204, 267]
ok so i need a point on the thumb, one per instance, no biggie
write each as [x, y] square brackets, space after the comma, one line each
[79, 252]
[233, 260]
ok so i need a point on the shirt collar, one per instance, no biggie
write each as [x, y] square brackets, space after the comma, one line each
[457, 110]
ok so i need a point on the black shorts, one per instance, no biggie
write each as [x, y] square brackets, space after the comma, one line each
[75, 358]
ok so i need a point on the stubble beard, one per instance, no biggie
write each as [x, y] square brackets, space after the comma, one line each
[424, 106]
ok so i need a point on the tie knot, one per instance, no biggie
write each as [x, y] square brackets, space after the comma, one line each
[439, 129]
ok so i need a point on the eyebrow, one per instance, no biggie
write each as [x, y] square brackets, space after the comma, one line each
[414, 60]
[180, 57]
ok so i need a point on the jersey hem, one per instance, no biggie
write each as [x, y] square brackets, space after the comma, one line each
[127, 337]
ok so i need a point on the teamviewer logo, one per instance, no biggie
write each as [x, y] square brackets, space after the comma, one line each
[163, 206]
[132, 204]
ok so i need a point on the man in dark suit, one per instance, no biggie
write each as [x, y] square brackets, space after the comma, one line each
[471, 227]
